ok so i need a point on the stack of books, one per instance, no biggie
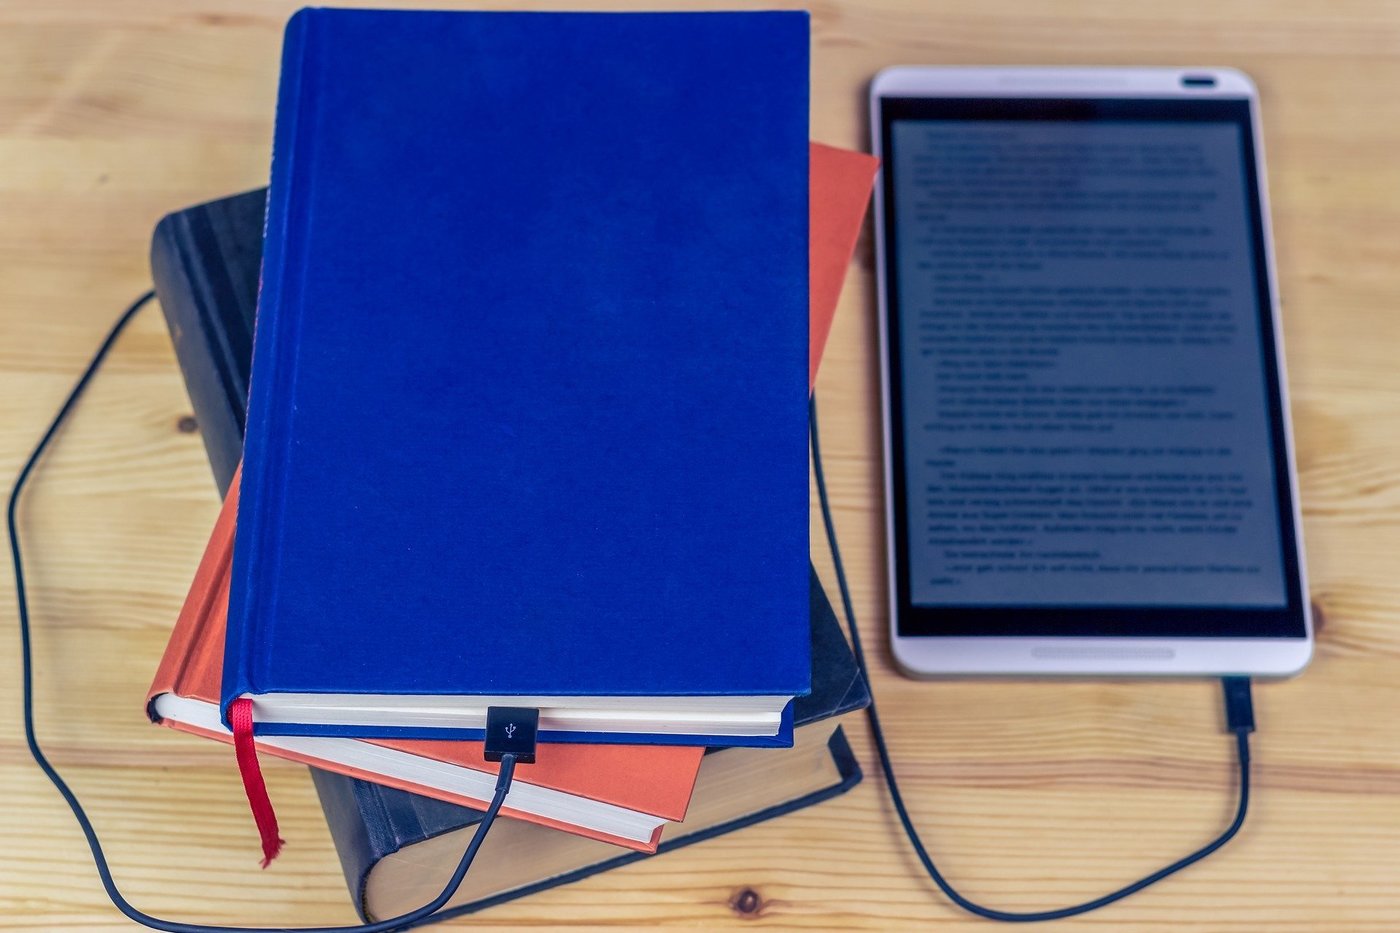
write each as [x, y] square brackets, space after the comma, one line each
[525, 422]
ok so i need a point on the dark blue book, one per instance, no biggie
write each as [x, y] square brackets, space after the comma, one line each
[398, 850]
[527, 420]
[393, 845]
[205, 262]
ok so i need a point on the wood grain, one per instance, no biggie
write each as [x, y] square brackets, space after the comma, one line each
[1032, 794]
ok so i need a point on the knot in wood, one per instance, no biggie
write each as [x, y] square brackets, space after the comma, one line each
[746, 902]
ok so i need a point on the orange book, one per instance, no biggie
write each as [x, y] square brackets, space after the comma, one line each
[839, 186]
[622, 794]
[619, 794]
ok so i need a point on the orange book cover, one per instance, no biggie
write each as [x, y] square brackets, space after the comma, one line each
[839, 184]
[651, 781]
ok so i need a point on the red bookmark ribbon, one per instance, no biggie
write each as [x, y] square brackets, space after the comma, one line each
[240, 715]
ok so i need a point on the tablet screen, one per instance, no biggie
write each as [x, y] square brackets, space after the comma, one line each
[1087, 428]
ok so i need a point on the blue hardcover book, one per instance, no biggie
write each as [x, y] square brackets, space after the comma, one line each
[527, 418]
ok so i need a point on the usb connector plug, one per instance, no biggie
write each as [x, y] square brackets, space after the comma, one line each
[511, 730]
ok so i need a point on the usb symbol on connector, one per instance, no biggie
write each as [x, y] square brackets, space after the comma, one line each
[511, 730]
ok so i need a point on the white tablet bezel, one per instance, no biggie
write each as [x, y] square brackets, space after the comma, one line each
[938, 655]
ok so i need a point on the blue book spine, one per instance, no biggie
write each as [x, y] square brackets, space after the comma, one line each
[279, 276]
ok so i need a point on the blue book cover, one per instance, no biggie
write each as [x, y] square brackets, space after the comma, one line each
[527, 417]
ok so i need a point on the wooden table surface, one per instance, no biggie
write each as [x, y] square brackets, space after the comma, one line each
[1032, 794]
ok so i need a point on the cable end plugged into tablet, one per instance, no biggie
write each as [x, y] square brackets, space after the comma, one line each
[1239, 705]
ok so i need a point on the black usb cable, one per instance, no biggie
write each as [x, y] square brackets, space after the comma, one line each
[1239, 719]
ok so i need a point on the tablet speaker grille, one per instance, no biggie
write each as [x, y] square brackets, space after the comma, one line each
[1127, 651]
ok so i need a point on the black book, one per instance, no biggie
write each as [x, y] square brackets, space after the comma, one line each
[206, 262]
[397, 848]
